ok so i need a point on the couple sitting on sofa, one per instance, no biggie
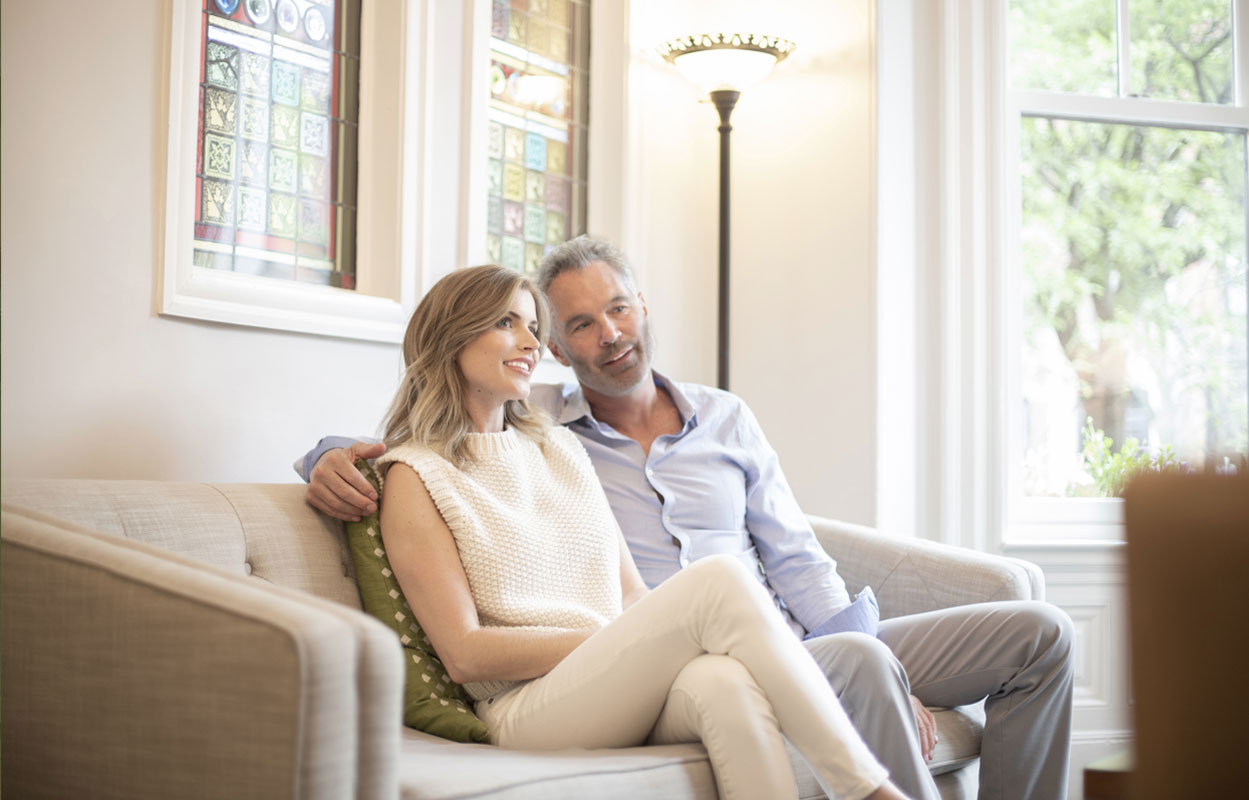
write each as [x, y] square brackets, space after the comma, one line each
[513, 560]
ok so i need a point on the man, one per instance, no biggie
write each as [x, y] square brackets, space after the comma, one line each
[689, 473]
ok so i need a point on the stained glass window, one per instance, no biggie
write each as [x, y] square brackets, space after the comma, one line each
[539, 59]
[275, 171]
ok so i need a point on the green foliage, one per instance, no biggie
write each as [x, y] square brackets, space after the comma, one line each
[1111, 472]
[1133, 237]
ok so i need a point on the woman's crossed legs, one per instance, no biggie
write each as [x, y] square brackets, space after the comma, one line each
[704, 656]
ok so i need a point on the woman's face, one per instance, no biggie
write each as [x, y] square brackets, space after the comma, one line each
[497, 364]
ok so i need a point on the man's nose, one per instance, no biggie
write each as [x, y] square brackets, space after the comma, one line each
[608, 332]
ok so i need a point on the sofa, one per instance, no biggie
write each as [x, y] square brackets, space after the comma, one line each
[188, 640]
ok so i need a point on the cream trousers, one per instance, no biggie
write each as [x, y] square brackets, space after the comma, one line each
[703, 657]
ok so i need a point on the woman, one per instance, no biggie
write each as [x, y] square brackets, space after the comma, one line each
[507, 551]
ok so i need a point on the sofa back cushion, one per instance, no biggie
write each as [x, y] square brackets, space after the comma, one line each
[266, 531]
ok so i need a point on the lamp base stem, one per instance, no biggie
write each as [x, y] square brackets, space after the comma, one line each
[724, 101]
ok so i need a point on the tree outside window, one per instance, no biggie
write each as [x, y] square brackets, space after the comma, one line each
[1132, 238]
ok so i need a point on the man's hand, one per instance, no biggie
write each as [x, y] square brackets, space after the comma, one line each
[927, 728]
[337, 488]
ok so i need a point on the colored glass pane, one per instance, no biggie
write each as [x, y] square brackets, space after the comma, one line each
[556, 193]
[255, 74]
[535, 224]
[276, 162]
[218, 156]
[535, 187]
[220, 111]
[536, 139]
[494, 144]
[513, 218]
[514, 182]
[513, 255]
[283, 168]
[494, 215]
[557, 157]
[533, 257]
[556, 227]
[252, 205]
[494, 177]
[535, 152]
[514, 144]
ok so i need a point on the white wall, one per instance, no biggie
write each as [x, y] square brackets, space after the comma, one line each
[95, 384]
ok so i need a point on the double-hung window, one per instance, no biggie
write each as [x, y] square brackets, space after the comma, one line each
[1126, 242]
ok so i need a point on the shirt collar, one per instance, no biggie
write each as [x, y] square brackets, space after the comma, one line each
[576, 407]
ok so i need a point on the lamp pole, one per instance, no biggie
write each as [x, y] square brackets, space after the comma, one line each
[724, 100]
[691, 55]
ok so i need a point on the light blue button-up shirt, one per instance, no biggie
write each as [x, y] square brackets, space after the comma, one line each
[714, 487]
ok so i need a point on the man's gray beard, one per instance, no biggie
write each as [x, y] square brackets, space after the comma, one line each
[605, 385]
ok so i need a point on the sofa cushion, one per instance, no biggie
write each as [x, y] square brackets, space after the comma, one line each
[435, 769]
[432, 702]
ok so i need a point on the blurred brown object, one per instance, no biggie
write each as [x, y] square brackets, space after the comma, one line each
[1188, 598]
[1109, 778]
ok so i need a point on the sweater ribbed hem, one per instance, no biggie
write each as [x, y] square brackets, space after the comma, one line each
[484, 690]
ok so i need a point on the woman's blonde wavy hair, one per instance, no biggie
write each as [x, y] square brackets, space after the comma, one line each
[429, 405]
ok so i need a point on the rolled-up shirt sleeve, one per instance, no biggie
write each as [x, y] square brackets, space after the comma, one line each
[304, 464]
[802, 574]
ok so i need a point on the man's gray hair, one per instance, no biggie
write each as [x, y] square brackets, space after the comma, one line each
[579, 253]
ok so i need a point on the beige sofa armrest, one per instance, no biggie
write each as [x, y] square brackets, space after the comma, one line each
[131, 672]
[910, 576]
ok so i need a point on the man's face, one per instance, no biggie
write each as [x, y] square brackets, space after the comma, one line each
[600, 329]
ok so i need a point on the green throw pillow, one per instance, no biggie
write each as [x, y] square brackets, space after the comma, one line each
[432, 702]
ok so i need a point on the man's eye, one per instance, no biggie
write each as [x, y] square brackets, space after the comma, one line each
[620, 309]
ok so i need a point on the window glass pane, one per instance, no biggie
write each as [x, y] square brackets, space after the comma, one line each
[276, 157]
[1134, 292]
[535, 174]
[1064, 46]
[1182, 50]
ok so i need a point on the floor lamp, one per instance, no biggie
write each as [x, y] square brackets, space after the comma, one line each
[723, 65]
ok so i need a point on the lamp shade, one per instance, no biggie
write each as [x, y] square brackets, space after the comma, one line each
[726, 61]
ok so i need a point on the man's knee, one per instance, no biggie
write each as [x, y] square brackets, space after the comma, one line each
[858, 662]
[1049, 627]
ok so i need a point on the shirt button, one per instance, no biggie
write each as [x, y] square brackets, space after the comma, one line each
[650, 472]
[685, 562]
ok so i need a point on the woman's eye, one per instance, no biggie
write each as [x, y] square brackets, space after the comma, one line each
[505, 323]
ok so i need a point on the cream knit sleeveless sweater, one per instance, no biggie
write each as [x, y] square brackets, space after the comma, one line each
[536, 535]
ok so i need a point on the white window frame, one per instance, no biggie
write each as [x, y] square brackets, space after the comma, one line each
[948, 211]
[1036, 519]
[396, 50]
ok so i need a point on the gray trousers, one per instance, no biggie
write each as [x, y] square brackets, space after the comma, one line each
[1014, 655]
